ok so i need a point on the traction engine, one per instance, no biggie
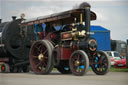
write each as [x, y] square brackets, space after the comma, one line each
[71, 49]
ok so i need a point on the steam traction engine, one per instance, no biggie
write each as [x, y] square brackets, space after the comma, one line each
[14, 46]
[70, 49]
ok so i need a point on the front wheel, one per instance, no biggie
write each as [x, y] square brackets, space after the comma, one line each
[79, 63]
[101, 63]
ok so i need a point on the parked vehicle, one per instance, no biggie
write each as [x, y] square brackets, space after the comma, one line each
[112, 60]
[119, 46]
[120, 63]
[114, 56]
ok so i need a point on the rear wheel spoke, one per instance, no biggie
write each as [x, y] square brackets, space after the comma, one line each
[38, 48]
[38, 65]
[44, 53]
[34, 56]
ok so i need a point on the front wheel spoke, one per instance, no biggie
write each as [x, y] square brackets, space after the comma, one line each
[77, 69]
[80, 69]
[78, 57]
[82, 62]
[99, 66]
[100, 69]
[75, 57]
[105, 64]
[101, 58]
[105, 61]
[74, 63]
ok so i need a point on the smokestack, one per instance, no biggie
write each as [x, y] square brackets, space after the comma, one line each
[0, 20]
[13, 18]
[127, 54]
[86, 7]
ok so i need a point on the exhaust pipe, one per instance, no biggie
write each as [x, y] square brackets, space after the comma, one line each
[13, 18]
[86, 6]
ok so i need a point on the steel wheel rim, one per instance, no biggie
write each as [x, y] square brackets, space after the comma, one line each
[39, 64]
[78, 63]
[100, 62]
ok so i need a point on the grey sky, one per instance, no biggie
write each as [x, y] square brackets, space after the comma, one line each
[111, 14]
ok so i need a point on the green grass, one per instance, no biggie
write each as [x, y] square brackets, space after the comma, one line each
[112, 69]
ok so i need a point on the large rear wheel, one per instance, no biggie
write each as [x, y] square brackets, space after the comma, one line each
[40, 57]
[101, 63]
[79, 63]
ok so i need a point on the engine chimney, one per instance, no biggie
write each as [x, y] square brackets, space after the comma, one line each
[0, 20]
[86, 7]
[13, 18]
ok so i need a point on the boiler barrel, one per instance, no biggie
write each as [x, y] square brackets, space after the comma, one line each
[12, 42]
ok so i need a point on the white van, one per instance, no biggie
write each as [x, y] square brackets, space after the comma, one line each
[114, 56]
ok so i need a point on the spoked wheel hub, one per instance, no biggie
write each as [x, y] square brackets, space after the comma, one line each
[41, 57]
[77, 63]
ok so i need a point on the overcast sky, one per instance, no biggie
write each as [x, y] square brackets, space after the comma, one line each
[111, 14]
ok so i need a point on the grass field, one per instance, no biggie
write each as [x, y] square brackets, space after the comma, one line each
[112, 69]
[118, 69]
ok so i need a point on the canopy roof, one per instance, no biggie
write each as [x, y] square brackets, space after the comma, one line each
[66, 17]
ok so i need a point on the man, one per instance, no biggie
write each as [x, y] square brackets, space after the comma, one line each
[39, 31]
